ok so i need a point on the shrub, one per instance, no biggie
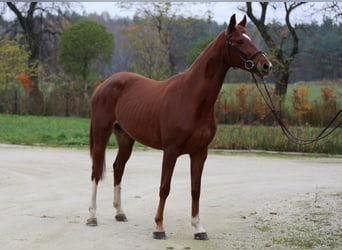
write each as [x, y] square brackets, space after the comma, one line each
[244, 104]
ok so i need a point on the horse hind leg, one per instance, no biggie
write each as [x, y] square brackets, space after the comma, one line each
[98, 142]
[92, 221]
[125, 145]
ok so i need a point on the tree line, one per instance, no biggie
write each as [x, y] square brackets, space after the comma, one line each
[156, 42]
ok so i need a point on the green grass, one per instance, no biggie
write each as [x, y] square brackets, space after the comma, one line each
[244, 137]
[52, 131]
[314, 91]
[43, 130]
[74, 132]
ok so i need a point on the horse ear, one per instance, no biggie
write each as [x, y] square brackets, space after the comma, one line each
[243, 21]
[232, 23]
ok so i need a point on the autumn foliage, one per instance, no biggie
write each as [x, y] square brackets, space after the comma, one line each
[300, 101]
[24, 79]
[244, 105]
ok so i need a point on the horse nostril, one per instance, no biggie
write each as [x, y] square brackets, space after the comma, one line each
[267, 67]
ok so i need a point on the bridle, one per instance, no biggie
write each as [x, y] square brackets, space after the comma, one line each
[248, 60]
[251, 67]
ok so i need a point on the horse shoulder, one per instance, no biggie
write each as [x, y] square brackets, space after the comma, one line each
[202, 134]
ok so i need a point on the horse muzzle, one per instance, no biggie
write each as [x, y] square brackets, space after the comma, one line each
[257, 63]
[264, 66]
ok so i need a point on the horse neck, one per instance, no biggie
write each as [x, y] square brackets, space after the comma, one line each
[207, 73]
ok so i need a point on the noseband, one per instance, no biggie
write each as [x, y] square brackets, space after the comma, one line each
[248, 60]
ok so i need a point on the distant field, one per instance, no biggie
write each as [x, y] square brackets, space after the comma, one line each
[73, 132]
[314, 91]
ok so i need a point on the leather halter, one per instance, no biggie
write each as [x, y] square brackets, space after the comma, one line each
[248, 60]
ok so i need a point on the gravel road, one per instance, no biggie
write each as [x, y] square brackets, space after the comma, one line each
[247, 202]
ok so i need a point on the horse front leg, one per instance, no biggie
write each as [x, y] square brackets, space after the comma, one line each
[197, 164]
[169, 161]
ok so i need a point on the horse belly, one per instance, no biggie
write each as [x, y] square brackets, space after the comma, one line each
[140, 121]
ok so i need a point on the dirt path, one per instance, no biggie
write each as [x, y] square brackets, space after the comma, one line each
[247, 202]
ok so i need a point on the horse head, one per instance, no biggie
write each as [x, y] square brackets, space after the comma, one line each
[243, 53]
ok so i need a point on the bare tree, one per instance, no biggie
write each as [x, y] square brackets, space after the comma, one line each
[334, 9]
[279, 43]
[156, 38]
[31, 22]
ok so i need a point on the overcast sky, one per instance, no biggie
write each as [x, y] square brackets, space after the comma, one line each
[221, 11]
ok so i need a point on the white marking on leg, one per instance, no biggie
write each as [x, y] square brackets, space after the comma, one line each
[92, 207]
[195, 221]
[117, 199]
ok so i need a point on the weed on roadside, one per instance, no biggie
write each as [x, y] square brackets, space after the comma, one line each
[304, 224]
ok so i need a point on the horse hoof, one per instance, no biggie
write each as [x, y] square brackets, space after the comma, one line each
[201, 236]
[159, 235]
[121, 217]
[92, 222]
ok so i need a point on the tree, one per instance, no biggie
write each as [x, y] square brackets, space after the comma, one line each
[150, 40]
[31, 24]
[159, 39]
[13, 62]
[149, 54]
[84, 46]
[282, 44]
[334, 9]
[319, 41]
[198, 49]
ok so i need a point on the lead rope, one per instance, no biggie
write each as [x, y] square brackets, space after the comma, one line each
[269, 102]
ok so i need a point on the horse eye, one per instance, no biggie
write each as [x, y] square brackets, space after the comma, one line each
[239, 42]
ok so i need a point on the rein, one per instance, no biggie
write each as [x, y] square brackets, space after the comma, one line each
[251, 67]
[270, 104]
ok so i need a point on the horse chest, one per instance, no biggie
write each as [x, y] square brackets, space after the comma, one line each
[202, 135]
[197, 137]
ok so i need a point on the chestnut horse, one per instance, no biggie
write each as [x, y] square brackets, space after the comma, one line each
[175, 115]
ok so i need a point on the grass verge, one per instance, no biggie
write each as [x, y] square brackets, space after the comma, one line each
[74, 132]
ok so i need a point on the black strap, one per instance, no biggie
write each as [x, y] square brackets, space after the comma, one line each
[269, 102]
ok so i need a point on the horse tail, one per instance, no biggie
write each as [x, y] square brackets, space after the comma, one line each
[91, 140]
[99, 167]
